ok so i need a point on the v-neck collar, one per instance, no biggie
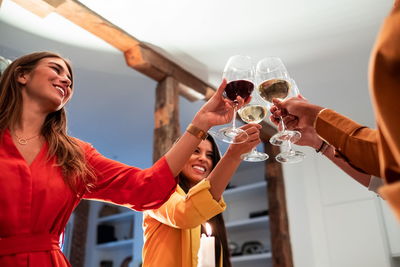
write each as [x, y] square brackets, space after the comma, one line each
[8, 140]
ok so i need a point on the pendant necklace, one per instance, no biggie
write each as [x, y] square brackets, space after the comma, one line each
[24, 141]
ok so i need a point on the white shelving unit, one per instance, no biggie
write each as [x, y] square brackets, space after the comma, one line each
[248, 195]
[127, 232]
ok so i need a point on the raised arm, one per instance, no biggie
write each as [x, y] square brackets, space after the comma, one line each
[215, 111]
[226, 167]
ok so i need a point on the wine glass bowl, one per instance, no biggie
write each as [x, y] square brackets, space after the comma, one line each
[239, 75]
[254, 112]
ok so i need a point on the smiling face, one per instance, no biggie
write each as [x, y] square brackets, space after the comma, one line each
[49, 84]
[199, 164]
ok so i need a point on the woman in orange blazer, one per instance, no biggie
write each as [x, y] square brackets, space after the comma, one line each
[172, 232]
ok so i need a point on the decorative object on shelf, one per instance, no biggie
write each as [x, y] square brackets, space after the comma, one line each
[260, 213]
[126, 261]
[252, 247]
[105, 233]
[106, 264]
[206, 254]
[234, 249]
[108, 210]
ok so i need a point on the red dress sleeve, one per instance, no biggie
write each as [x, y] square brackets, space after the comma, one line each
[135, 188]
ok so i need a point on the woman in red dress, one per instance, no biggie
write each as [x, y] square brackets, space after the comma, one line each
[45, 172]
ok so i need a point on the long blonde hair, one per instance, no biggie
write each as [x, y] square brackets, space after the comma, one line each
[70, 156]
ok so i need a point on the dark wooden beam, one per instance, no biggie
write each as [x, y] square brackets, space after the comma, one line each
[78, 240]
[166, 117]
[266, 131]
[278, 223]
[137, 54]
[156, 66]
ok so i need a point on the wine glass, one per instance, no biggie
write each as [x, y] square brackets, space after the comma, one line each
[273, 81]
[239, 74]
[254, 112]
[289, 155]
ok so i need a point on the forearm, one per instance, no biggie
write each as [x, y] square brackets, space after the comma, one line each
[360, 177]
[222, 174]
[356, 142]
[180, 152]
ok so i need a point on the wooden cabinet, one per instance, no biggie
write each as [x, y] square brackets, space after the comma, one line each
[246, 217]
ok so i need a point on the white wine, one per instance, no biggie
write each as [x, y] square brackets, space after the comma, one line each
[276, 88]
[253, 113]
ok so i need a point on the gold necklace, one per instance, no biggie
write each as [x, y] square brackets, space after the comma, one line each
[24, 141]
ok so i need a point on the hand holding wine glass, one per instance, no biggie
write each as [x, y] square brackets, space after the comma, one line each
[239, 74]
[217, 110]
[274, 82]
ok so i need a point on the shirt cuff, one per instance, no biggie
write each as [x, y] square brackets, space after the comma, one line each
[334, 128]
[374, 184]
[204, 202]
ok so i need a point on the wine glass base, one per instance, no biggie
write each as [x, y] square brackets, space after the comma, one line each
[255, 156]
[230, 135]
[280, 138]
[290, 156]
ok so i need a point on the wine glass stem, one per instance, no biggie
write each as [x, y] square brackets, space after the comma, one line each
[282, 124]
[234, 115]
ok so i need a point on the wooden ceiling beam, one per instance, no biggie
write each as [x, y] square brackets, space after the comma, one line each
[137, 54]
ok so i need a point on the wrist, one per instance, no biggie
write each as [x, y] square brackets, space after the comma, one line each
[233, 155]
[201, 122]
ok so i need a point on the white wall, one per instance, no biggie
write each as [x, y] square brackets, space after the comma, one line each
[334, 221]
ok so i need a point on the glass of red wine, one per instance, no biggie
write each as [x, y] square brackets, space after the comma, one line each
[239, 74]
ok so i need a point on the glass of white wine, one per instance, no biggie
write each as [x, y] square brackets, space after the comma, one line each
[273, 81]
[254, 112]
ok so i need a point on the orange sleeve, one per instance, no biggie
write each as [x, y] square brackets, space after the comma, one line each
[357, 143]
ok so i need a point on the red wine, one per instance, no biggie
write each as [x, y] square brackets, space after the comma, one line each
[240, 88]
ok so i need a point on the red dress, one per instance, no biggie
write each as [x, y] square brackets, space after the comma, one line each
[35, 203]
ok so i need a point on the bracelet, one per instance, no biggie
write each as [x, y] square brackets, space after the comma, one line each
[324, 146]
[197, 132]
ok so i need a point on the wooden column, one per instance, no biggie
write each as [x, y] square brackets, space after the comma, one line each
[166, 117]
[278, 223]
[78, 240]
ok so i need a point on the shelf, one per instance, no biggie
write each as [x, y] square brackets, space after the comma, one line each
[245, 189]
[123, 216]
[248, 223]
[254, 257]
[396, 255]
[115, 244]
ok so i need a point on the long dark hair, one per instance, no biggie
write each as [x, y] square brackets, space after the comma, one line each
[70, 156]
[217, 222]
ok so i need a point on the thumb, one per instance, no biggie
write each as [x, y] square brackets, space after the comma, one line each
[277, 103]
[221, 88]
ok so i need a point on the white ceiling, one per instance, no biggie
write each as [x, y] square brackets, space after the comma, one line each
[201, 35]
[325, 45]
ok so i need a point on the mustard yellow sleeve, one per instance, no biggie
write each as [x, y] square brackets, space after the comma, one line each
[357, 143]
[188, 211]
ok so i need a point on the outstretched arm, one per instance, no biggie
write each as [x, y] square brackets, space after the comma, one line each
[216, 111]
